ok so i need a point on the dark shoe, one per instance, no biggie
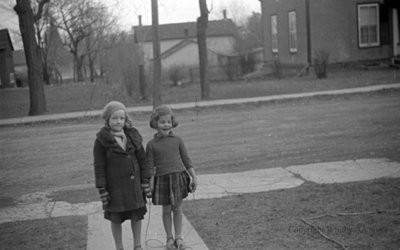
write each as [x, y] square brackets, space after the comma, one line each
[170, 243]
[180, 244]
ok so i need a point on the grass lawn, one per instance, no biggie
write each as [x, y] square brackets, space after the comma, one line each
[272, 220]
[265, 221]
[88, 96]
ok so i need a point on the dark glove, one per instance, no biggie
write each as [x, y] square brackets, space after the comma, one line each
[104, 196]
[147, 189]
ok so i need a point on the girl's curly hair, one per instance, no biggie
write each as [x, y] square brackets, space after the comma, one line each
[160, 111]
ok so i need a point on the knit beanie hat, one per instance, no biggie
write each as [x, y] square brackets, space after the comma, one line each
[110, 108]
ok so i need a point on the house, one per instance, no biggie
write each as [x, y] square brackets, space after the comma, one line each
[178, 43]
[348, 30]
[6, 60]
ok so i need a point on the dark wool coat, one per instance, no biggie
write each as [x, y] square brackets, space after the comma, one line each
[120, 171]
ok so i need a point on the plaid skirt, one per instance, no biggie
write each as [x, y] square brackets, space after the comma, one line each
[170, 189]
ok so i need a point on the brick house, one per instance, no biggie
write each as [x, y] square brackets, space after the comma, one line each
[6, 60]
[349, 30]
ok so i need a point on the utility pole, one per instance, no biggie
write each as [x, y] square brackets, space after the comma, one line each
[139, 43]
[202, 22]
[156, 55]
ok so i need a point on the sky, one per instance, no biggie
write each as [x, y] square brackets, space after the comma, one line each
[175, 11]
[170, 11]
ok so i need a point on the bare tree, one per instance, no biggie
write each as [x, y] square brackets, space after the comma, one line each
[101, 23]
[44, 38]
[32, 54]
[249, 38]
[73, 18]
[121, 64]
[250, 34]
[202, 23]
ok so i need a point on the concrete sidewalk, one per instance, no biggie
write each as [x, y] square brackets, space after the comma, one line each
[188, 105]
[37, 206]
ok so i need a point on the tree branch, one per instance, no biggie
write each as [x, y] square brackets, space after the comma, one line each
[38, 15]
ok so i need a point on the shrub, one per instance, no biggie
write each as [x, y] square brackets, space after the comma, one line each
[320, 63]
[277, 69]
[176, 74]
[21, 76]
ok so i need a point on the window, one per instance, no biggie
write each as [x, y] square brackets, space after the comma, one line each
[274, 33]
[368, 25]
[292, 32]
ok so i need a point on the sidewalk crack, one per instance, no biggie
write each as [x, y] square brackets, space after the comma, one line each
[296, 175]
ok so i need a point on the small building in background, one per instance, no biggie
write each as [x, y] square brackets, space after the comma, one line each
[7, 79]
[179, 48]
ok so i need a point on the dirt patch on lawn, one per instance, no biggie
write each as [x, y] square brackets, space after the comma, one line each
[75, 195]
[6, 201]
[54, 233]
[272, 220]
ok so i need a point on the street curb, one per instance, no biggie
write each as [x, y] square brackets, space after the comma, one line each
[200, 104]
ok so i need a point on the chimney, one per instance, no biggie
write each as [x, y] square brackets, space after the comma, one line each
[224, 13]
[140, 20]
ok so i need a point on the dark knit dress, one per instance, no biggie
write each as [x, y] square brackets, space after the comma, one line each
[169, 156]
[121, 172]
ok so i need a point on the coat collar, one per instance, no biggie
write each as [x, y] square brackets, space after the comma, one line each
[106, 138]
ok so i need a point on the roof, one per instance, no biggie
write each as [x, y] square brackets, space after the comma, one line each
[172, 31]
[5, 40]
[177, 47]
[182, 44]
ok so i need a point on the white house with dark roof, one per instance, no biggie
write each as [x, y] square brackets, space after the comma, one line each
[178, 42]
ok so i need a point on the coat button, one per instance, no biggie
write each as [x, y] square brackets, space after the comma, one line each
[132, 177]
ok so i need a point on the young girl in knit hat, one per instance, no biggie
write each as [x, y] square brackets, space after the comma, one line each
[167, 153]
[120, 169]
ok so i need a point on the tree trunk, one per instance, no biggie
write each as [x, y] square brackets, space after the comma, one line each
[202, 44]
[46, 73]
[92, 70]
[79, 68]
[33, 60]
[156, 55]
